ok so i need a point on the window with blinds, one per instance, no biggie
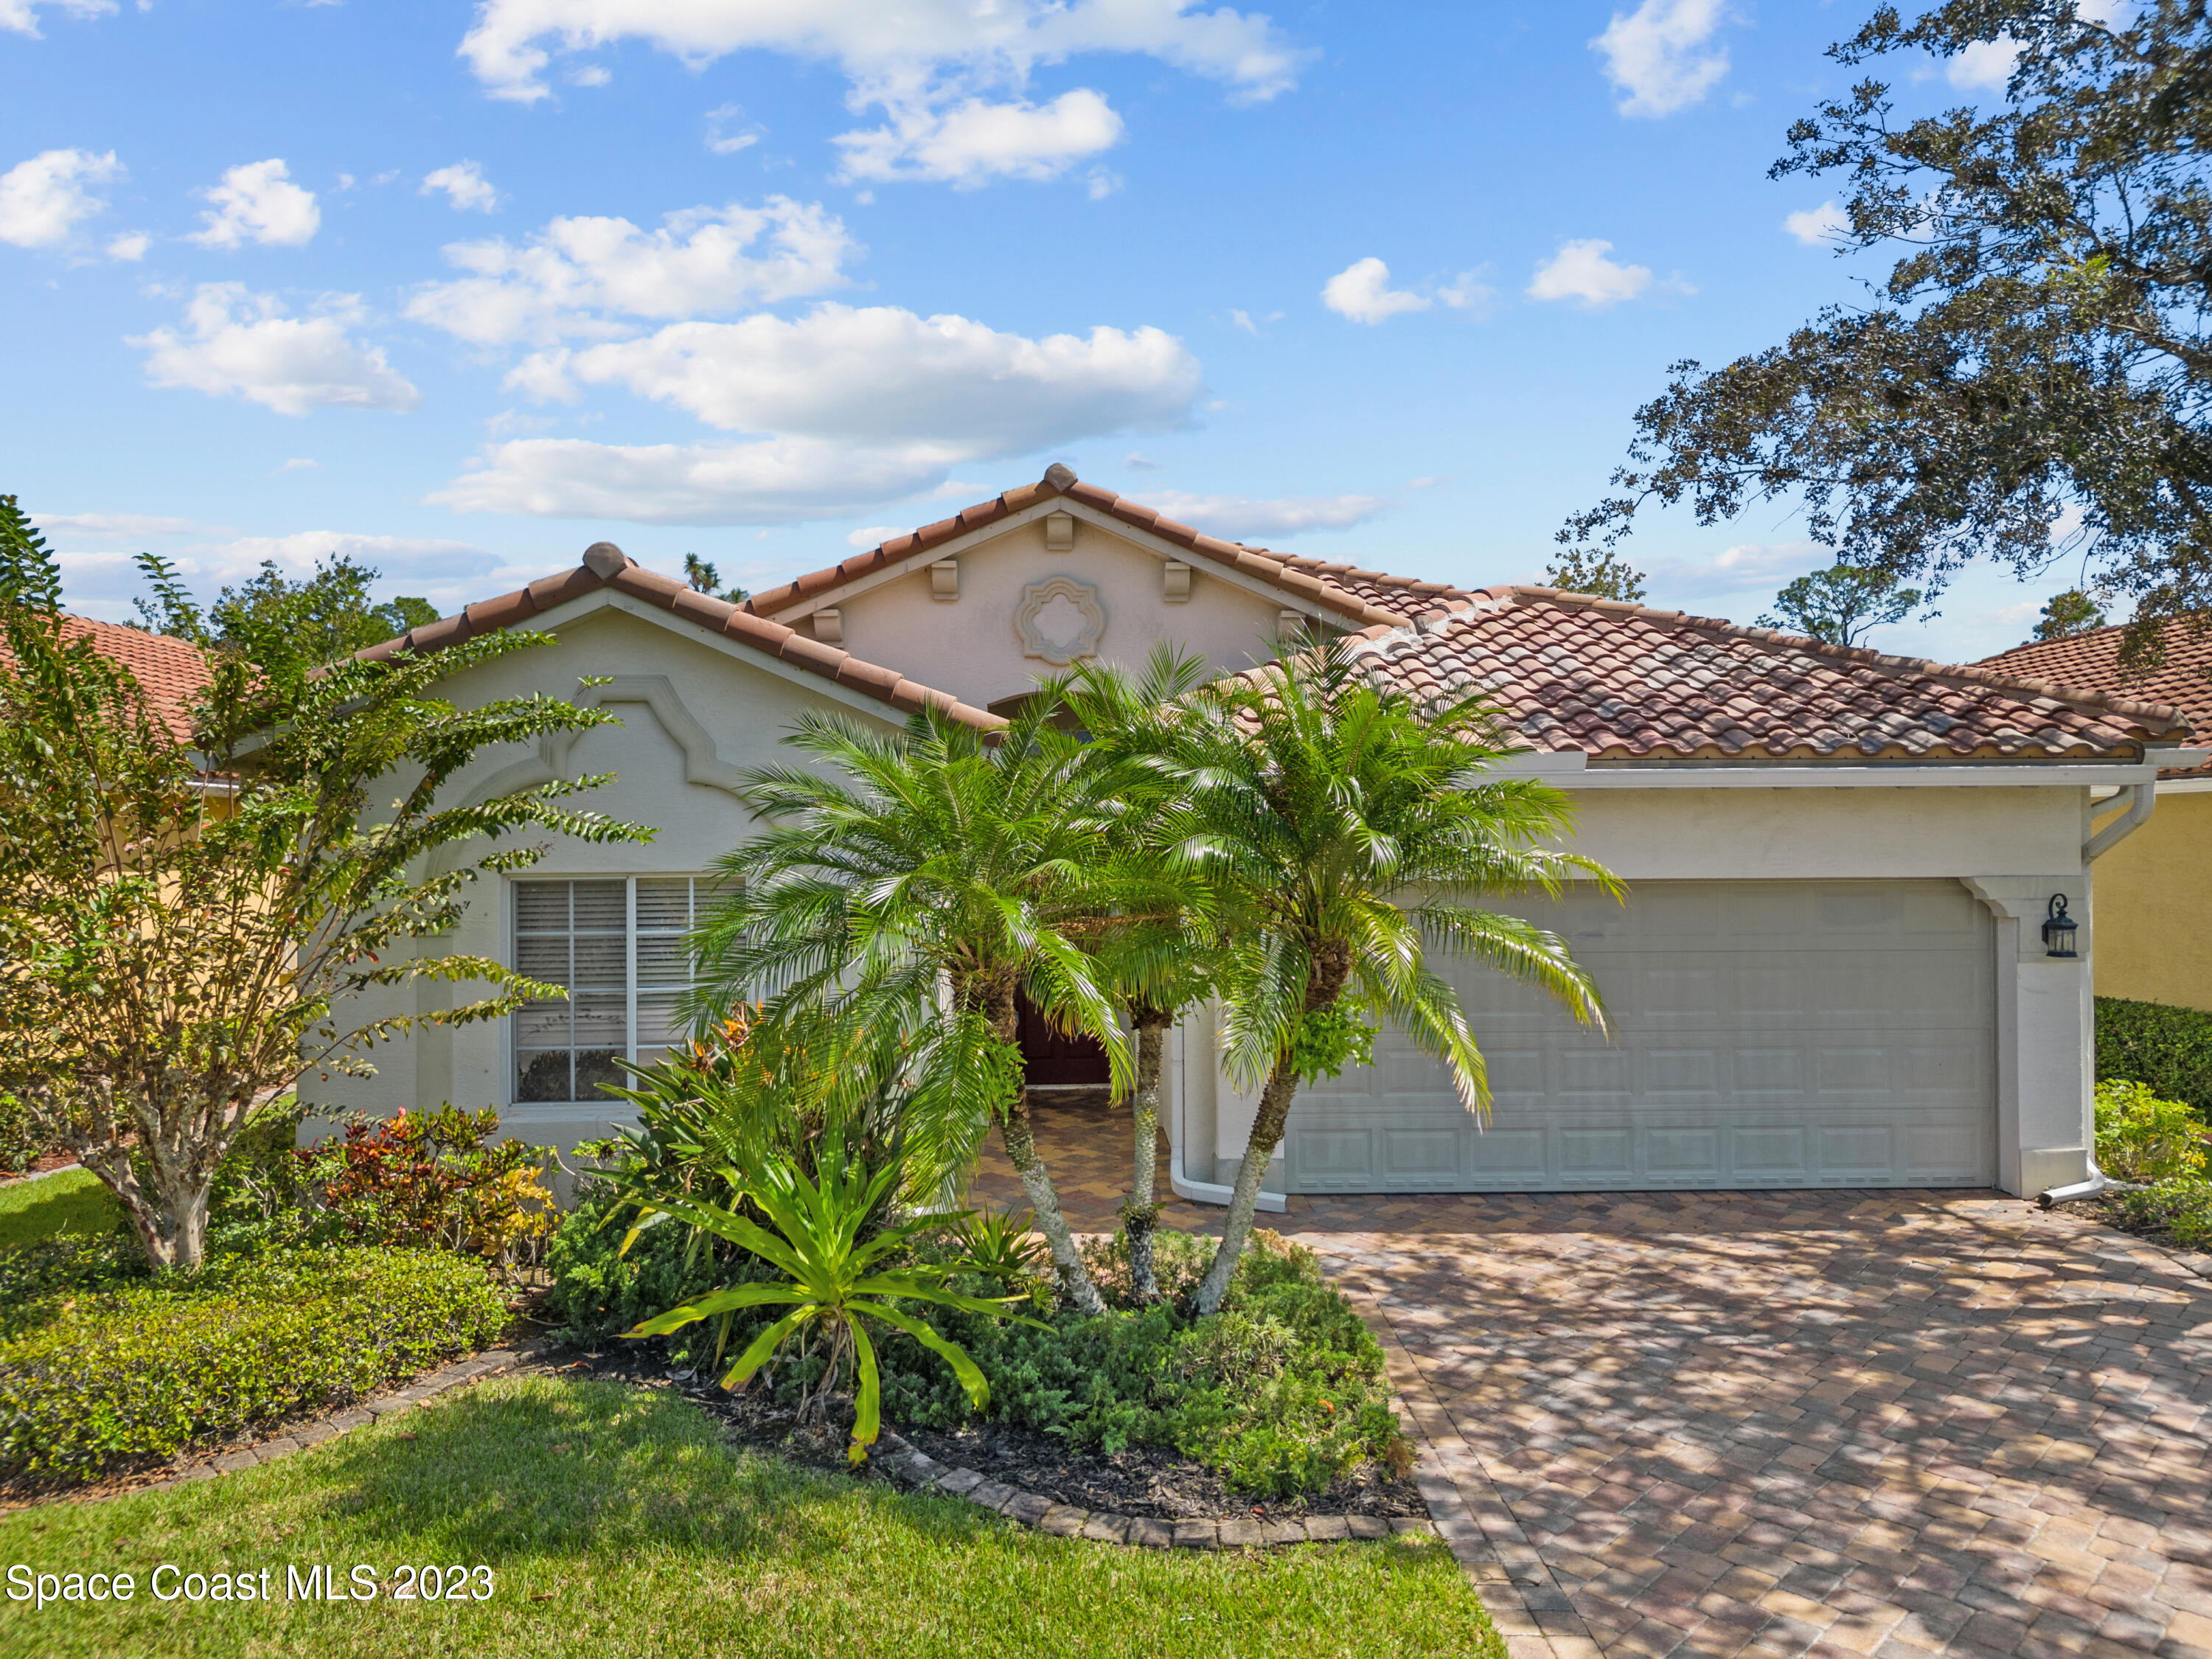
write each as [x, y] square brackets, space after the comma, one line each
[617, 946]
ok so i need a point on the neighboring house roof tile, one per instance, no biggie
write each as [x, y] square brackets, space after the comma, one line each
[1627, 683]
[171, 672]
[1361, 598]
[607, 566]
[2091, 660]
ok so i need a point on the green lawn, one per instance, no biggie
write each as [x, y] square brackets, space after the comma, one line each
[615, 1522]
[73, 1201]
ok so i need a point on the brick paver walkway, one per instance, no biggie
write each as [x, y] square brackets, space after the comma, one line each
[1892, 1424]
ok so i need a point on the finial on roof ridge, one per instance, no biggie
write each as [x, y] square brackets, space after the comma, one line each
[605, 560]
[1059, 475]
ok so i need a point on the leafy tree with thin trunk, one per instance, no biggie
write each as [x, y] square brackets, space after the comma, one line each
[1841, 605]
[924, 882]
[319, 617]
[1343, 830]
[2068, 614]
[2034, 373]
[187, 919]
[1599, 572]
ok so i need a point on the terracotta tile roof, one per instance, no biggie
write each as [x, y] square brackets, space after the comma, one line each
[171, 671]
[1625, 682]
[1361, 598]
[606, 565]
[2092, 661]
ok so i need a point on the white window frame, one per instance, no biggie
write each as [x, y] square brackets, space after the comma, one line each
[511, 1048]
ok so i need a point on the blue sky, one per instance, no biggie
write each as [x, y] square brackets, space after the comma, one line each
[462, 289]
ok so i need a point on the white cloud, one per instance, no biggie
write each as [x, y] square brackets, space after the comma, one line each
[1140, 463]
[21, 17]
[1818, 226]
[1243, 517]
[42, 200]
[776, 481]
[464, 186]
[1580, 271]
[255, 203]
[884, 375]
[241, 345]
[130, 248]
[1362, 292]
[887, 51]
[449, 574]
[570, 277]
[301, 464]
[875, 535]
[1658, 54]
[1467, 292]
[972, 142]
[105, 526]
[1985, 66]
[721, 140]
[865, 407]
[592, 75]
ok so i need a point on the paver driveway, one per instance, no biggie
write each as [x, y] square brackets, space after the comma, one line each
[1867, 1423]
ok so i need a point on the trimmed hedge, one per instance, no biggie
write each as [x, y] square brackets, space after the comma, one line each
[2169, 1048]
[97, 1371]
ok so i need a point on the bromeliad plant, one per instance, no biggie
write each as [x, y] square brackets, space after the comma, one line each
[836, 1282]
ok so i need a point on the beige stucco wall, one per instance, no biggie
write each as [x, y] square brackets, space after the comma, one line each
[743, 708]
[2155, 906]
[969, 646]
[1692, 835]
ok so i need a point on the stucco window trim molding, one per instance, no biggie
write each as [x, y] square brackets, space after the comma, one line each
[702, 762]
[1038, 598]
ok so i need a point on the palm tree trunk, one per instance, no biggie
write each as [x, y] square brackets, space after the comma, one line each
[1140, 1215]
[1244, 1197]
[1036, 1182]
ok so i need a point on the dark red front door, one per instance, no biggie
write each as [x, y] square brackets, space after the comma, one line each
[1051, 1056]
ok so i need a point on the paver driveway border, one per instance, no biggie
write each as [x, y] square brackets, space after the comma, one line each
[1838, 1423]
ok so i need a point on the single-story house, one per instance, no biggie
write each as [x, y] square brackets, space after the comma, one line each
[1831, 968]
[2154, 893]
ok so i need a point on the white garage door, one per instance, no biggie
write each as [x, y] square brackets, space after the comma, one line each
[1765, 1034]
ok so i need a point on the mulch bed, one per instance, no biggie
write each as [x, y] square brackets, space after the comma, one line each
[44, 1163]
[1144, 1481]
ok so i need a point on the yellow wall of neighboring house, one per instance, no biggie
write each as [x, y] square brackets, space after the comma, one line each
[2154, 908]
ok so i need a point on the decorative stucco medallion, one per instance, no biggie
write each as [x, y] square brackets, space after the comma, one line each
[1060, 620]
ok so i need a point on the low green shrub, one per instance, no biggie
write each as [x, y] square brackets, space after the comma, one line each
[2143, 1138]
[598, 1292]
[20, 1142]
[101, 1366]
[1281, 1393]
[2180, 1210]
[2168, 1048]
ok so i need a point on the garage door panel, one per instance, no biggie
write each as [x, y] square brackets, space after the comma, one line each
[1769, 1152]
[1765, 1034]
[1685, 1154]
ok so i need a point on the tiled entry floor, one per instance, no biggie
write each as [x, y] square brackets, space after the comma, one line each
[1895, 1423]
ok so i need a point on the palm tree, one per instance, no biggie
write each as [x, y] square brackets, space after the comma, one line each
[924, 882]
[1340, 827]
[1159, 955]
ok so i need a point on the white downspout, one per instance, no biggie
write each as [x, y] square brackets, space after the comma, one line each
[2142, 796]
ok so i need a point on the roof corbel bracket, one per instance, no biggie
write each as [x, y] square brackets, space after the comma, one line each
[944, 580]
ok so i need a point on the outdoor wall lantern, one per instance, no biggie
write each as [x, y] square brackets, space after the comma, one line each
[2058, 929]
